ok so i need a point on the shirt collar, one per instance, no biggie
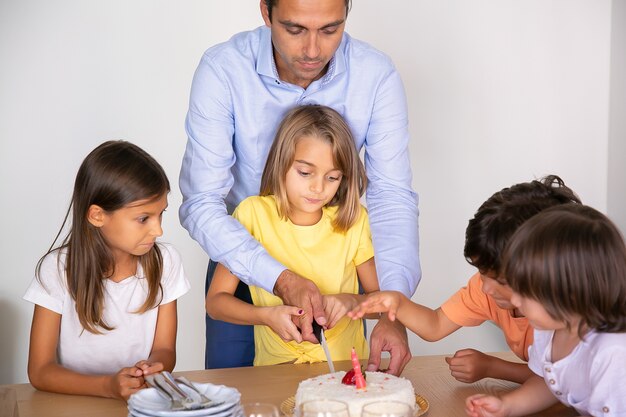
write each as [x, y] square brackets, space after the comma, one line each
[267, 66]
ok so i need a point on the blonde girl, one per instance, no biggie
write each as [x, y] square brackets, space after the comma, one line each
[309, 218]
[105, 298]
[567, 268]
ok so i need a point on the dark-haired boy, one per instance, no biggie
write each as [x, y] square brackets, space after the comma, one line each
[486, 296]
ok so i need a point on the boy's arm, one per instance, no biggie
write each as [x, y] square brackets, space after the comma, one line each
[221, 304]
[469, 365]
[431, 325]
[45, 373]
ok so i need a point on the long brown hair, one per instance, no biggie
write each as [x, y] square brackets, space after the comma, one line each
[328, 125]
[572, 259]
[112, 176]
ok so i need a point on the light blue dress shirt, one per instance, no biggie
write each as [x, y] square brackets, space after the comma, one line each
[237, 102]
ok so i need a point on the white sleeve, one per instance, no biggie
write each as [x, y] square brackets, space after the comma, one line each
[50, 289]
[173, 281]
[607, 382]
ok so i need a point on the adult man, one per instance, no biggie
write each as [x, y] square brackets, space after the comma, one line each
[241, 90]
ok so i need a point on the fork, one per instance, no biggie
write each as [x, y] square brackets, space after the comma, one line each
[175, 404]
[205, 402]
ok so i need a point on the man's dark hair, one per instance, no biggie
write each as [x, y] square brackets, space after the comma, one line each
[271, 3]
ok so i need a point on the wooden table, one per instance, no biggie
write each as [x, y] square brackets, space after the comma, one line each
[429, 375]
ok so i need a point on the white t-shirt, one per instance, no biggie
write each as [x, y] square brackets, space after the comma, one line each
[131, 339]
[592, 378]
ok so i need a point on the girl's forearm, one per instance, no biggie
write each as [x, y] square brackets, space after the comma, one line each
[165, 356]
[531, 397]
[227, 307]
[56, 378]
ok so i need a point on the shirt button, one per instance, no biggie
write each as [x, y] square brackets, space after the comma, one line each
[605, 409]
[552, 382]
[558, 393]
[548, 370]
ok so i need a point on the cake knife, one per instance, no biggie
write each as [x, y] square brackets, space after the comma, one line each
[318, 331]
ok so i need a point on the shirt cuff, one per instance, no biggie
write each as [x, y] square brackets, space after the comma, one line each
[396, 283]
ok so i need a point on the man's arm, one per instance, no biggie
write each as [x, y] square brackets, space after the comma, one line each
[206, 180]
[392, 206]
[391, 201]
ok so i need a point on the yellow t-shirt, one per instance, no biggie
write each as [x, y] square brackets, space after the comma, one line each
[318, 253]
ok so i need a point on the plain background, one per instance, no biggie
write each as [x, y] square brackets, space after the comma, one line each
[499, 92]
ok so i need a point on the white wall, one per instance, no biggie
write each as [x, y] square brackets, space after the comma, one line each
[616, 201]
[500, 91]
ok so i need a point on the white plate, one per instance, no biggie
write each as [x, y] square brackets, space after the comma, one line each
[232, 412]
[150, 403]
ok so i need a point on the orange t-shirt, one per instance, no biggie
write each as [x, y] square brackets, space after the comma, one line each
[470, 306]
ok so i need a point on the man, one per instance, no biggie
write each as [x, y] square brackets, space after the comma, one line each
[240, 92]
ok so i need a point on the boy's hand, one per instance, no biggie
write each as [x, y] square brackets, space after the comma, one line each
[148, 368]
[125, 383]
[469, 365]
[481, 405]
[378, 302]
[279, 319]
[336, 306]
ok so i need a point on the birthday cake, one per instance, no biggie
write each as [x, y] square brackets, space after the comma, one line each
[379, 387]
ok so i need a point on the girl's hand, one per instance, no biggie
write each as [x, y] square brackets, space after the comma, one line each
[279, 319]
[336, 306]
[378, 302]
[126, 382]
[481, 405]
[469, 365]
[148, 368]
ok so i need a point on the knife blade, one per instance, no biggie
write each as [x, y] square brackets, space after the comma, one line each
[318, 331]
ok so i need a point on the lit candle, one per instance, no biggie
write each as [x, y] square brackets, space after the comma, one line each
[358, 375]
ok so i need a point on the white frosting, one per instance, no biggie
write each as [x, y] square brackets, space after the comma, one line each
[380, 386]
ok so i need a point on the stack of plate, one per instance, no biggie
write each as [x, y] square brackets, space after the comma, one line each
[150, 403]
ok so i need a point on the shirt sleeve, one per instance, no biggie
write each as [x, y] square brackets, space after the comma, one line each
[469, 305]
[206, 179]
[607, 395]
[391, 201]
[50, 289]
[173, 280]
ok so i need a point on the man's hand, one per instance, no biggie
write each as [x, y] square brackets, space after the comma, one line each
[389, 337]
[469, 365]
[301, 292]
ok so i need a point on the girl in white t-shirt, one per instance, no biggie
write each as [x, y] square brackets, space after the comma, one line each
[105, 298]
[567, 268]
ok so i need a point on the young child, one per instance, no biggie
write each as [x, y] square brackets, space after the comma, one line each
[485, 297]
[308, 217]
[567, 268]
[105, 299]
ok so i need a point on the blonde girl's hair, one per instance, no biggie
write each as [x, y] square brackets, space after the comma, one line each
[326, 124]
[113, 175]
[572, 259]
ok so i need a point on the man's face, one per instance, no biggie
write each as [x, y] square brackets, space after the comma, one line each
[305, 36]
